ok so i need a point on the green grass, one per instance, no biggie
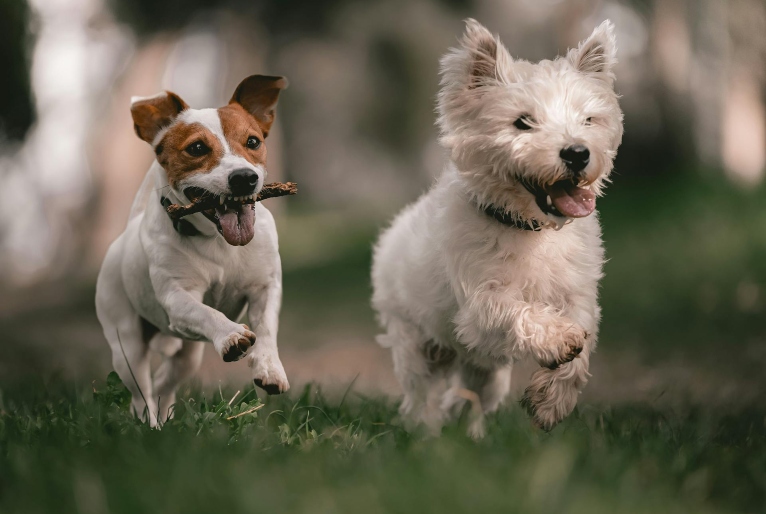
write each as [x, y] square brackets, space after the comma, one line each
[84, 452]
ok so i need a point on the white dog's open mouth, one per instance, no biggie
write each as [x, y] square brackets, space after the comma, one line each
[564, 198]
[233, 216]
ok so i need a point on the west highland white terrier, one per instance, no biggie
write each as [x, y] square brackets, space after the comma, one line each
[502, 257]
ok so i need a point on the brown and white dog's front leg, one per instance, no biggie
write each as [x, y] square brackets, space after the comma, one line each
[192, 319]
[263, 314]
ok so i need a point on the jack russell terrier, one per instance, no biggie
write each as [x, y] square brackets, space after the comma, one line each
[171, 285]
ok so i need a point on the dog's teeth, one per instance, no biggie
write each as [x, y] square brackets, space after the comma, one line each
[220, 200]
[548, 200]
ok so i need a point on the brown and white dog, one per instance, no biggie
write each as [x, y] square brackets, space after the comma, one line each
[172, 286]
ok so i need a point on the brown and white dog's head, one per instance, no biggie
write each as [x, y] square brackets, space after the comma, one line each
[214, 152]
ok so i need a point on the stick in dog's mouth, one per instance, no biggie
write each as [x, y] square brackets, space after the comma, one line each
[206, 202]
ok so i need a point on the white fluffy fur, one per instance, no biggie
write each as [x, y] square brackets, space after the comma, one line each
[448, 276]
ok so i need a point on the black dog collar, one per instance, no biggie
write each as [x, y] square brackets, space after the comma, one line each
[182, 226]
[511, 219]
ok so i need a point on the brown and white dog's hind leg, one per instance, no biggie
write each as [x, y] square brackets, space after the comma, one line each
[263, 314]
[174, 370]
[124, 332]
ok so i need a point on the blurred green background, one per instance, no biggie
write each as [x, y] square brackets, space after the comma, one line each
[684, 220]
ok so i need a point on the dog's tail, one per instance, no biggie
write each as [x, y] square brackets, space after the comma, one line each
[142, 196]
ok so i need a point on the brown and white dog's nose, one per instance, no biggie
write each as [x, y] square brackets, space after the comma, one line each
[243, 182]
[576, 157]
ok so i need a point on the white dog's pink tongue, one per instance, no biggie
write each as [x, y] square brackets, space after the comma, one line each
[570, 200]
[237, 224]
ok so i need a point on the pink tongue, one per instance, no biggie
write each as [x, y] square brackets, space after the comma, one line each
[237, 224]
[570, 200]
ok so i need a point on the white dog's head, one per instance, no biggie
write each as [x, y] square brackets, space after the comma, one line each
[214, 152]
[536, 140]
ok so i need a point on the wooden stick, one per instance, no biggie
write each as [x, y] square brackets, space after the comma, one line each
[272, 190]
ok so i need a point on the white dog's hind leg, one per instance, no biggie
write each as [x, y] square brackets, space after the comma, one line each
[486, 389]
[421, 375]
[172, 372]
[552, 393]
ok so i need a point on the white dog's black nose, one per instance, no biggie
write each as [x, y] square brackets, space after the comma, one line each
[576, 157]
[243, 181]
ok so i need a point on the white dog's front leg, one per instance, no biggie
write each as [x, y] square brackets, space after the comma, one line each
[192, 319]
[551, 338]
[263, 313]
[535, 328]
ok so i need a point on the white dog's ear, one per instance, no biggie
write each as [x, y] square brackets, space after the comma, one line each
[153, 113]
[597, 55]
[258, 94]
[489, 61]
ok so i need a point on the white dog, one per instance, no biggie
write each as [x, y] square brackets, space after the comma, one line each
[502, 257]
[168, 286]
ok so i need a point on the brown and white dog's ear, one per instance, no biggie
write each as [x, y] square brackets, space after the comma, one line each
[258, 95]
[153, 113]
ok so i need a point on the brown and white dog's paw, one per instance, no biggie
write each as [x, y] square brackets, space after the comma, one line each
[564, 345]
[235, 345]
[268, 373]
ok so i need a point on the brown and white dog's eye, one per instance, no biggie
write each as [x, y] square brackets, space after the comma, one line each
[253, 143]
[197, 149]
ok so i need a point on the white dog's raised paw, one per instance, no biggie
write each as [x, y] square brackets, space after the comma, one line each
[549, 399]
[539, 419]
[235, 345]
[564, 347]
[269, 375]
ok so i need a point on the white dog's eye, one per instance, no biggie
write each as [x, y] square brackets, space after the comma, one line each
[253, 143]
[523, 122]
[588, 121]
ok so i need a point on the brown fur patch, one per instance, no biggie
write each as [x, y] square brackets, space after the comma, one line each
[258, 95]
[172, 155]
[151, 114]
[238, 125]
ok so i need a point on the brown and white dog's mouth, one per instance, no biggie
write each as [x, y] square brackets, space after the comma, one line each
[563, 198]
[234, 216]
